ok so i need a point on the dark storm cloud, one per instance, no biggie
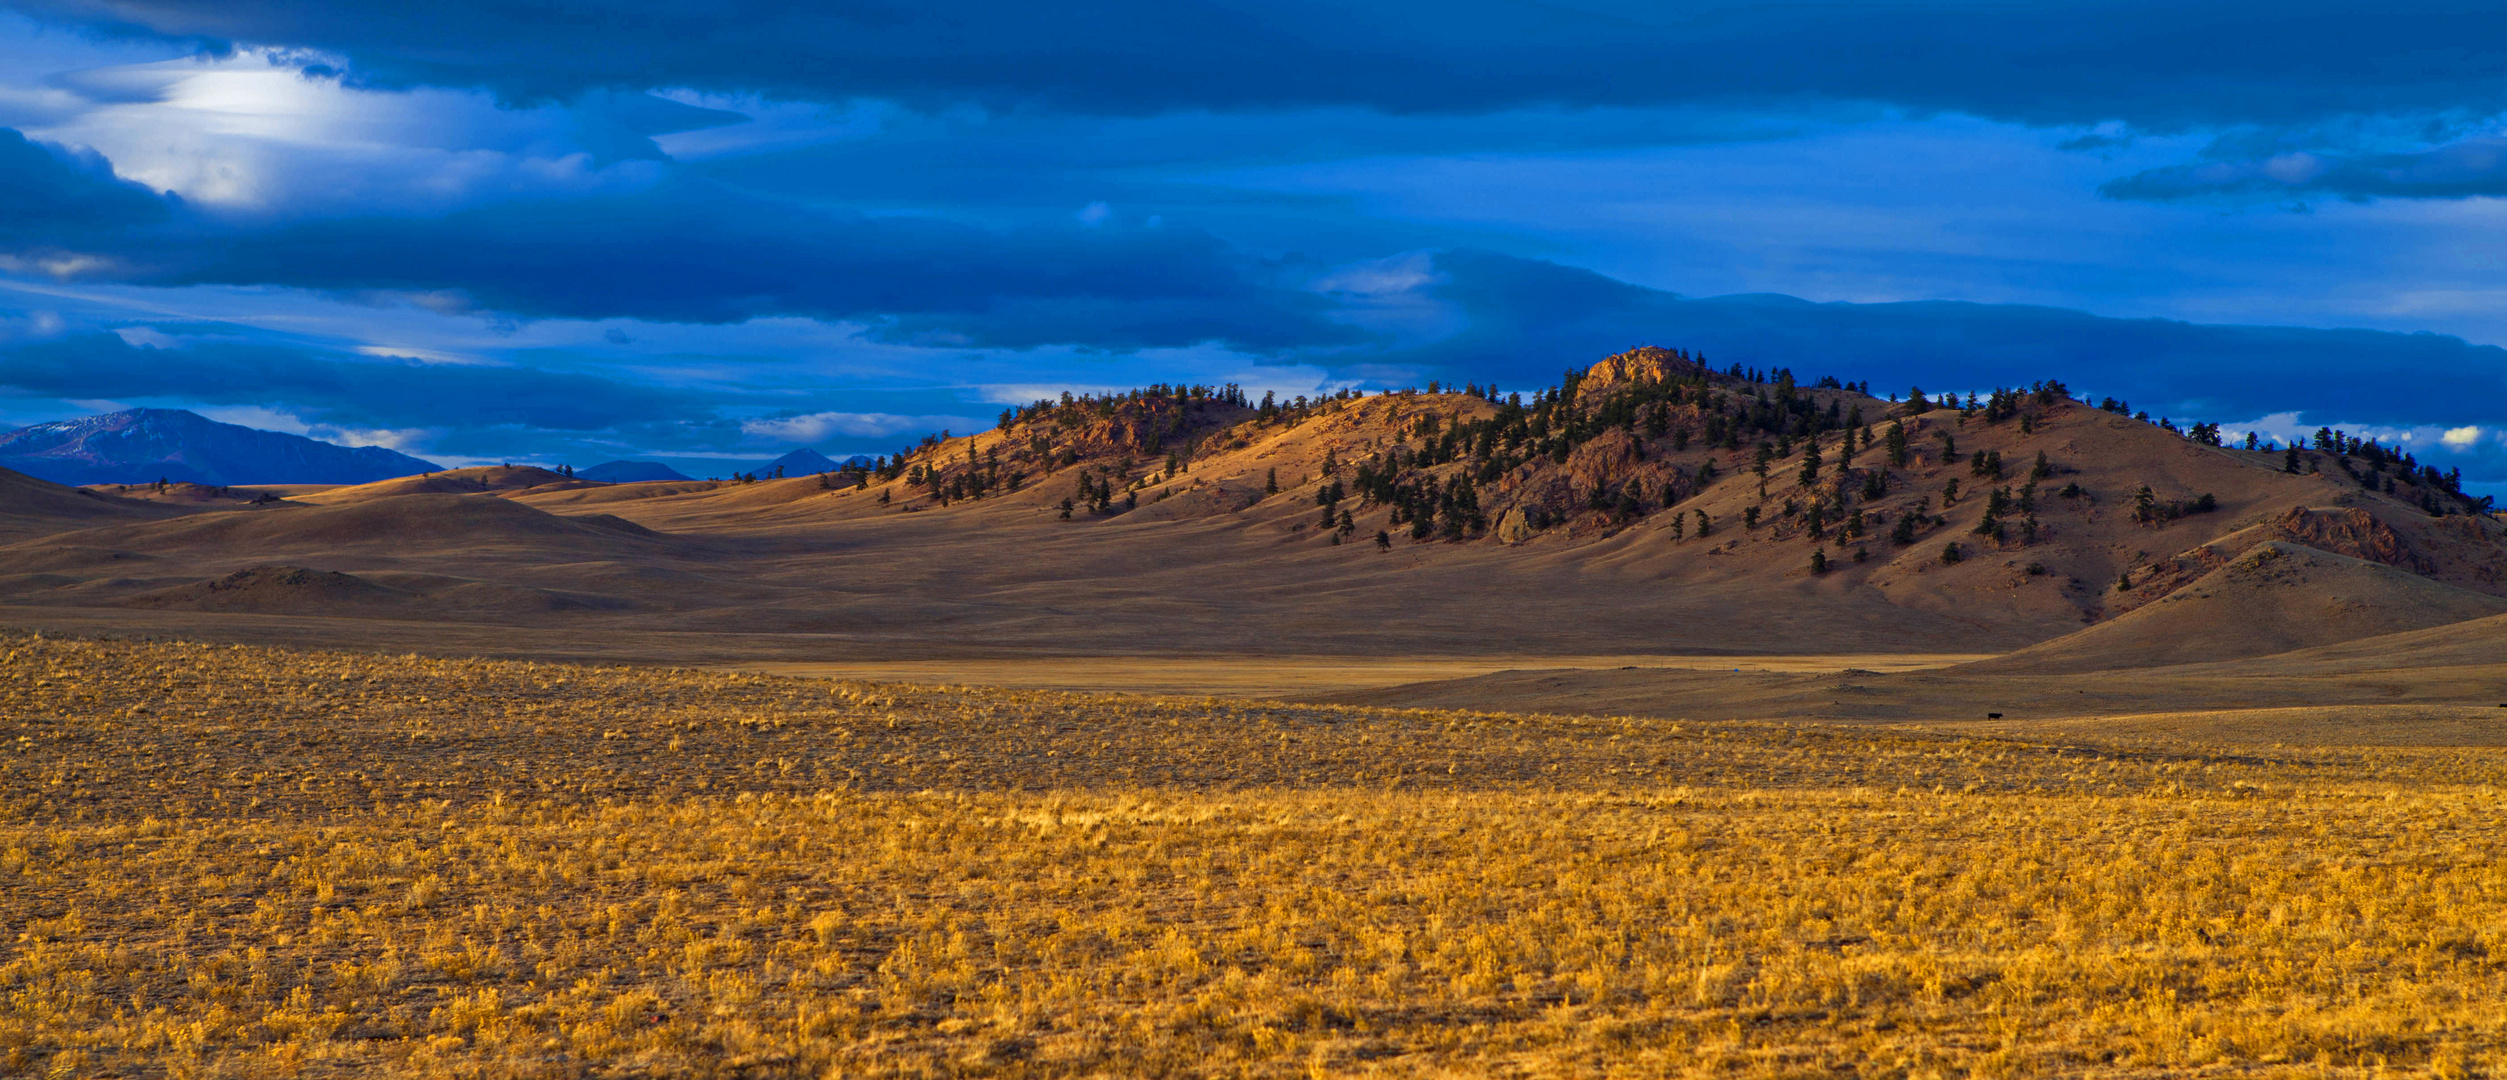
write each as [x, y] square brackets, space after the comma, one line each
[2154, 65]
[49, 195]
[2460, 170]
[1529, 319]
[697, 253]
[353, 393]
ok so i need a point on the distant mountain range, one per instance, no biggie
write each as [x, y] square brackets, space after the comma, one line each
[630, 472]
[801, 462]
[140, 446]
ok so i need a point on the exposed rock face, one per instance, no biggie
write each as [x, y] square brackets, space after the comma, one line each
[2352, 532]
[1649, 364]
[1602, 460]
[1514, 528]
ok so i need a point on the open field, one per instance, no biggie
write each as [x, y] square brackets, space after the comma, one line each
[1292, 676]
[230, 861]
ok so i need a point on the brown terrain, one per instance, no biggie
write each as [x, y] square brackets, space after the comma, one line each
[2143, 758]
[1544, 556]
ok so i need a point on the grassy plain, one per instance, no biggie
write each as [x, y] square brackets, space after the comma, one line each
[235, 861]
[1295, 676]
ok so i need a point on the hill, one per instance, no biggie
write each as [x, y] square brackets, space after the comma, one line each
[629, 472]
[32, 507]
[142, 446]
[2276, 597]
[483, 479]
[1646, 505]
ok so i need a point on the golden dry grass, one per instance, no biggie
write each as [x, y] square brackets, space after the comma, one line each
[222, 861]
[1298, 676]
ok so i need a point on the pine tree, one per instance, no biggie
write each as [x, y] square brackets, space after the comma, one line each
[1819, 560]
[1271, 482]
[1904, 534]
[1950, 553]
[1810, 462]
[1704, 525]
[1897, 444]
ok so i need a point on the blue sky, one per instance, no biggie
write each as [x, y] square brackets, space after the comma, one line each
[706, 233]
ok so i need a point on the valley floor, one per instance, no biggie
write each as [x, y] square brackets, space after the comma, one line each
[228, 860]
[1291, 676]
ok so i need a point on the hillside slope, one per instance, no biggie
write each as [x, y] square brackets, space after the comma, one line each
[2276, 597]
[1647, 504]
[32, 507]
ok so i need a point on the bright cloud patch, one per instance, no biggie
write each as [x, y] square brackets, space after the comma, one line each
[2461, 437]
[821, 426]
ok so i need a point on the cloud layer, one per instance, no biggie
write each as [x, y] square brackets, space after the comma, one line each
[618, 228]
[2155, 65]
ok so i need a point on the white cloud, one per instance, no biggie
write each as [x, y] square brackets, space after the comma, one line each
[1094, 214]
[256, 416]
[2461, 438]
[252, 134]
[817, 427]
[265, 418]
[414, 352]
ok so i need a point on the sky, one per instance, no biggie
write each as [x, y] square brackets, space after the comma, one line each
[575, 231]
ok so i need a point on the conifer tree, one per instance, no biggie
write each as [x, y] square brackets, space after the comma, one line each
[1819, 560]
[1810, 462]
[1704, 525]
[1897, 444]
